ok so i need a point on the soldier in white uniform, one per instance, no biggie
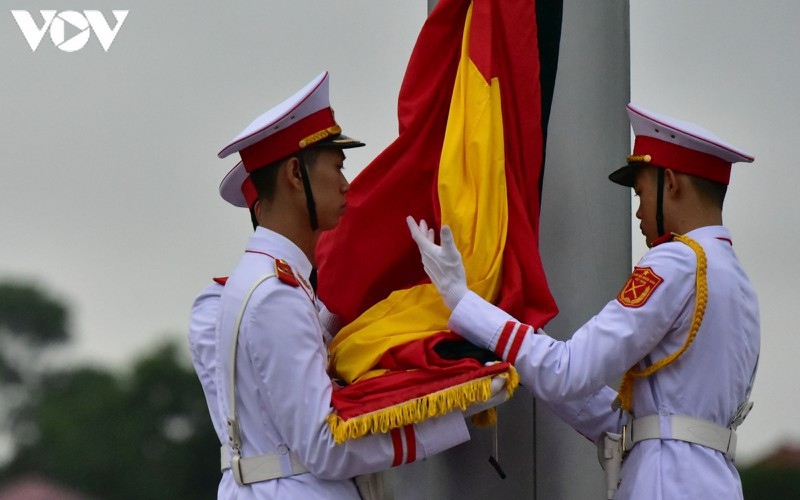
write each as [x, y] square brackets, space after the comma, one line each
[271, 384]
[237, 189]
[683, 333]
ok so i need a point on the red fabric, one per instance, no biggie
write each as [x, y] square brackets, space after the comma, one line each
[370, 254]
[524, 294]
[415, 371]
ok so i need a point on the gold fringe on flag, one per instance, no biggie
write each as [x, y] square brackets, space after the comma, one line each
[419, 409]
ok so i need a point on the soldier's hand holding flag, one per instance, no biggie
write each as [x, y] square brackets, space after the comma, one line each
[443, 264]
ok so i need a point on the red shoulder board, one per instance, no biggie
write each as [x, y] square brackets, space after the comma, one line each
[221, 280]
[640, 286]
[284, 272]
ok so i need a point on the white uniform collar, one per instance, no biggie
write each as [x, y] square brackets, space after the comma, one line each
[719, 232]
[280, 247]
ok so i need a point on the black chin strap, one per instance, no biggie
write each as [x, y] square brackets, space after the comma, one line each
[660, 204]
[312, 207]
[312, 278]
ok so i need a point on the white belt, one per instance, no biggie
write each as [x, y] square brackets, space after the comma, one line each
[263, 467]
[691, 430]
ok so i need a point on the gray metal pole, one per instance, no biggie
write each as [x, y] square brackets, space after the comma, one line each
[585, 221]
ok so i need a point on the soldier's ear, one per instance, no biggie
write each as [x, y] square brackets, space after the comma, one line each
[256, 214]
[289, 174]
[293, 175]
[673, 182]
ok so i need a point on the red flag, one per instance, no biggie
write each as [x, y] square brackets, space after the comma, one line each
[472, 96]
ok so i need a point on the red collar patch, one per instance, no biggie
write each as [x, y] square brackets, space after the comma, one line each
[221, 280]
[640, 286]
[664, 238]
[284, 272]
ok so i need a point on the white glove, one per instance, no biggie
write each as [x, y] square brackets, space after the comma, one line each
[499, 396]
[442, 263]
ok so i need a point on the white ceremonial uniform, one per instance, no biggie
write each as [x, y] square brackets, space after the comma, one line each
[283, 392]
[708, 381]
[203, 347]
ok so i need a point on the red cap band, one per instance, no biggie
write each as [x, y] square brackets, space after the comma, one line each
[681, 159]
[285, 142]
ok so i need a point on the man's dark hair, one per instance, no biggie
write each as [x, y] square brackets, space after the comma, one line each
[712, 191]
[265, 178]
[253, 217]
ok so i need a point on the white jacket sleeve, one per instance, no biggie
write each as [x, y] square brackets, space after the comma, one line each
[591, 416]
[617, 338]
[202, 346]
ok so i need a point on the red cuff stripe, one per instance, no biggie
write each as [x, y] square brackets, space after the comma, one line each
[517, 343]
[411, 444]
[504, 336]
[397, 442]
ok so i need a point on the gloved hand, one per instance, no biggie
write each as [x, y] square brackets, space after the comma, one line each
[443, 264]
[499, 396]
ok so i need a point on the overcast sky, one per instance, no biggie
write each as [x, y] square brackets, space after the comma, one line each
[109, 189]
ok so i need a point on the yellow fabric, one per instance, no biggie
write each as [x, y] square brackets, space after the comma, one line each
[420, 409]
[472, 197]
[625, 393]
